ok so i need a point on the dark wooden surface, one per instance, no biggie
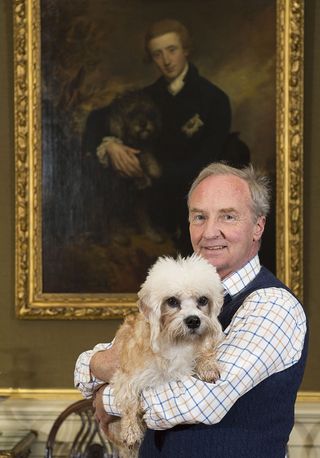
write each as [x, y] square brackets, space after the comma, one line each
[16, 443]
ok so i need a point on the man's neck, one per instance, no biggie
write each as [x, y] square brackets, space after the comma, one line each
[175, 86]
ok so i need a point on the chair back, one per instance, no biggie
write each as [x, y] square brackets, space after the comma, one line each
[76, 434]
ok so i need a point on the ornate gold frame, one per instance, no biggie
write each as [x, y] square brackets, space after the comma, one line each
[31, 302]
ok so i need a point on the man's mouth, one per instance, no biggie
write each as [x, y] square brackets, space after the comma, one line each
[214, 248]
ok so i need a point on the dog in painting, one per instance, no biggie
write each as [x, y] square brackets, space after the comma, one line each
[134, 120]
[174, 335]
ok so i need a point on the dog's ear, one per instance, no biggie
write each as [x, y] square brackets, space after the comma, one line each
[217, 302]
[216, 296]
[215, 308]
[152, 313]
[117, 125]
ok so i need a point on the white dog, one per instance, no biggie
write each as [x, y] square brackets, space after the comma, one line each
[174, 335]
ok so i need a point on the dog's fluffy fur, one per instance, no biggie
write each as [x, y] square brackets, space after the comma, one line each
[135, 119]
[174, 335]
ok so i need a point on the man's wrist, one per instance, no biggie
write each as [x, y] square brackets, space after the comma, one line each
[99, 387]
[107, 140]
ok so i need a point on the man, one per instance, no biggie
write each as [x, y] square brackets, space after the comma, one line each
[249, 411]
[196, 118]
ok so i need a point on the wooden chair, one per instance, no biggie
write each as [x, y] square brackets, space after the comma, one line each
[76, 434]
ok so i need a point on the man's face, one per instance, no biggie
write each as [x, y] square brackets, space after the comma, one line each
[222, 226]
[168, 55]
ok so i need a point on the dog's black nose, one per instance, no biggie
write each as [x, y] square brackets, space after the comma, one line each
[192, 321]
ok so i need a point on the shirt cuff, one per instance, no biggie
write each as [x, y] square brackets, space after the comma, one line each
[109, 402]
[102, 152]
[84, 380]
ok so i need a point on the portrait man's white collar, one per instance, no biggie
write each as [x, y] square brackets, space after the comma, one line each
[177, 84]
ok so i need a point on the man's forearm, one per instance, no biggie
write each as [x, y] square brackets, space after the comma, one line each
[103, 364]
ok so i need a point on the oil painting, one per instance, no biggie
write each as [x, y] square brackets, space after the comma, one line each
[95, 87]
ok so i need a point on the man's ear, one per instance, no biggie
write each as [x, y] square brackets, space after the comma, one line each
[259, 228]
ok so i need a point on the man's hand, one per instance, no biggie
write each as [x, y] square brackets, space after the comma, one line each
[101, 415]
[122, 157]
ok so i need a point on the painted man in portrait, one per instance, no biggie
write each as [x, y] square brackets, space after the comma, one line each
[195, 118]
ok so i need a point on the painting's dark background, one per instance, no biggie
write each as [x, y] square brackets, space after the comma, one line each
[97, 52]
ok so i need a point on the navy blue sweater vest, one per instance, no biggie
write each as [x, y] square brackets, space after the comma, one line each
[258, 424]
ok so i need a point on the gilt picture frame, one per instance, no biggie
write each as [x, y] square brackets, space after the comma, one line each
[39, 293]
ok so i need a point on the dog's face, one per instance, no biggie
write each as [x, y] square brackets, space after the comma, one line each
[134, 118]
[187, 317]
[181, 299]
[141, 123]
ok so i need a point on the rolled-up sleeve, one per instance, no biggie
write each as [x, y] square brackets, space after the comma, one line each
[84, 380]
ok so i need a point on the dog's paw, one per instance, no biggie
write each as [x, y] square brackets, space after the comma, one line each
[127, 452]
[132, 434]
[208, 371]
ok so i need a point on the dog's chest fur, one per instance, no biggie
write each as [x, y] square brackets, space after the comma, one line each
[171, 363]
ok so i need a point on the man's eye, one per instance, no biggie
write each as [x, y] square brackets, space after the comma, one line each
[198, 218]
[173, 302]
[202, 301]
[229, 217]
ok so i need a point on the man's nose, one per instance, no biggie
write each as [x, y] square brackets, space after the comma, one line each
[212, 229]
[166, 58]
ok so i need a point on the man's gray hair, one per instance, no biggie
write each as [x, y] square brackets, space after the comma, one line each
[259, 184]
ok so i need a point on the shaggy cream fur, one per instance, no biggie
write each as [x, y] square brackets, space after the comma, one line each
[174, 335]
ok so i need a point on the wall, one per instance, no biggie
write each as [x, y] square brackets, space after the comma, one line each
[41, 354]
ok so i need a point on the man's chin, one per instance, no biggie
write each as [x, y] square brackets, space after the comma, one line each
[171, 76]
[213, 258]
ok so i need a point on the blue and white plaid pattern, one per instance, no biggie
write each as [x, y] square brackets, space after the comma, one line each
[83, 379]
[265, 336]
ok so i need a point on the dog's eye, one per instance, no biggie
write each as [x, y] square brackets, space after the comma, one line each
[173, 302]
[203, 300]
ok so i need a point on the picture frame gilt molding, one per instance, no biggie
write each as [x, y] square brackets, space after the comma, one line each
[289, 199]
[31, 302]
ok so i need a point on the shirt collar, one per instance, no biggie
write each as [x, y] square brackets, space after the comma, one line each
[177, 84]
[237, 281]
